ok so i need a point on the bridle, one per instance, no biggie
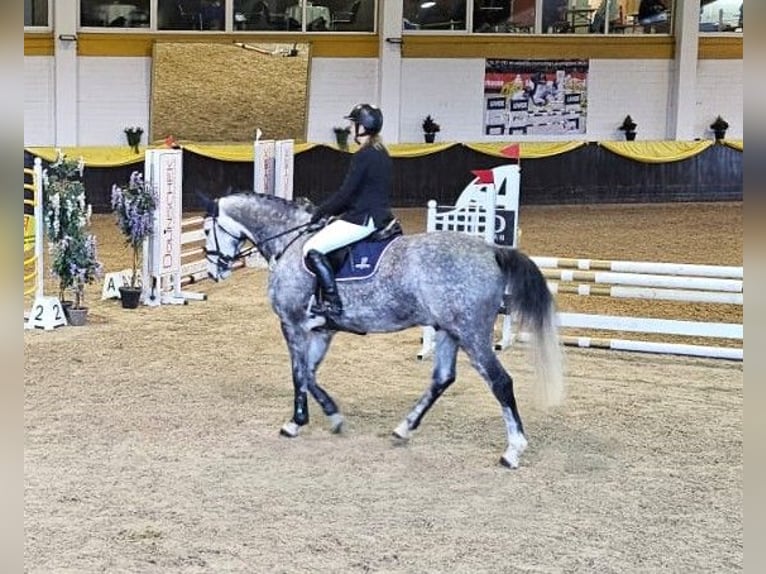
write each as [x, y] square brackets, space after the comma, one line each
[224, 262]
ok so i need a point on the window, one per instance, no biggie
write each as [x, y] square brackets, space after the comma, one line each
[541, 16]
[438, 15]
[36, 13]
[294, 15]
[191, 14]
[115, 13]
[721, 15]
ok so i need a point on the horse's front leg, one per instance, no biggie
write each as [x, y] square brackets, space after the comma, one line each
[318, 343]
[307, 349]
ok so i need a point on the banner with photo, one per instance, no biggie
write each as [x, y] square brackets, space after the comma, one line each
[535, 97]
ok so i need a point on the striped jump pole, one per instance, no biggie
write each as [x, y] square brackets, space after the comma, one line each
[679, 282]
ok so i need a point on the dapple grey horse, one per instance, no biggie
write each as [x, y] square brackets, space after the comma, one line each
[450, 281]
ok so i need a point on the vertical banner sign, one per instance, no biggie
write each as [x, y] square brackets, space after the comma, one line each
[162, 255]
[263, 166]
[283, 168]
[535, 97]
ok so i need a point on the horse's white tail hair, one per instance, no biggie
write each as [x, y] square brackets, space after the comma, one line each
[532, 302]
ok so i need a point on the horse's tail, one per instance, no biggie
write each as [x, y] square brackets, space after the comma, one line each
[532, 303]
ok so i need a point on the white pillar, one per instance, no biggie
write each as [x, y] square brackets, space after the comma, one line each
[390, 67]
[65, 72]
[683, 87]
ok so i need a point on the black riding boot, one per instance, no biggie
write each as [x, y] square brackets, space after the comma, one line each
[320, 265]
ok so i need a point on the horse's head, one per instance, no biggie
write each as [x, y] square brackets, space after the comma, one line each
[224, 238]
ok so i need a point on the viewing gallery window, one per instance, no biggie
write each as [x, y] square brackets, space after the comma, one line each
[36, 13]
[317, 16]
[115, 13]
[231, 15]
[541, 16]
[466, 16]
[721, 16]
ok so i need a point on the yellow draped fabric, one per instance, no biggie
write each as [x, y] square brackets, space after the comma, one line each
[235, 152]
[92, 156]
[527, 150]
[417, 150]
[657, 151]
[643, 151]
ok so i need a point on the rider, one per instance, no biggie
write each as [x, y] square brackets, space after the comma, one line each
[362, 202]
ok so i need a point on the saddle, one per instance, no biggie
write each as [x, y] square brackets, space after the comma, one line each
[359, 260]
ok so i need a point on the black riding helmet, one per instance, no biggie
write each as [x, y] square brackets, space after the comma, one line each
[368, 117]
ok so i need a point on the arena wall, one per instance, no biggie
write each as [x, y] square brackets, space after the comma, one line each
[114, 92]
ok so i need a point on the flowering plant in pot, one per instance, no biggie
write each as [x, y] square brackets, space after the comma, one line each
[133, 134]
[629, 127]
[430, 128]
[719, 127]
[134, 205]
[341, 136]
[74, 258]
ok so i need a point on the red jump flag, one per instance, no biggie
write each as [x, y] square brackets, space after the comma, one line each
[484, 175]
[513, 151]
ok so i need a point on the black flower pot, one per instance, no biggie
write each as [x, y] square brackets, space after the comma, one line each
[129, 297]
[719, 135]
[429, 137]
[76, 317]
[630, 135]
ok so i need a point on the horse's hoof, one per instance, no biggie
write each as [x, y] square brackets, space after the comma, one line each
[402, 431]
[336, 423]
[289, 430]
[508, 463]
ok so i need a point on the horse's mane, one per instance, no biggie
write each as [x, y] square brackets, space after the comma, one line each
[301, 203]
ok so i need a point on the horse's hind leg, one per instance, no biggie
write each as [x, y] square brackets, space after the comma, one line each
[485, 361]
[445, 356]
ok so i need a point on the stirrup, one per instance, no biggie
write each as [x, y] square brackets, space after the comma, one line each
[326, 310]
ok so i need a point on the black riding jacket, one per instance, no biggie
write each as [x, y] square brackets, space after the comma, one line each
[366, 190]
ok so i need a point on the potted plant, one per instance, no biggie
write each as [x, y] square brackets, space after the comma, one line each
[73, 250]
[134, 137]
[133, 206]
[430, 127]
[719, 127]
[629, 127]
[341, 136]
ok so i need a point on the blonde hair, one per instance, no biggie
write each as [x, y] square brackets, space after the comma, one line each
[374, 141]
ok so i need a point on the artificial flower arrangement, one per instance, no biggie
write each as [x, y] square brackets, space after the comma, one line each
[74, 258]
[134, 205]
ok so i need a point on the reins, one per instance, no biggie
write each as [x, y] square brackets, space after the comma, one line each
[303, 228]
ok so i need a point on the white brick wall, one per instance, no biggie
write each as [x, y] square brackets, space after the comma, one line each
[617, 88]
[336, 85]
[719, 92]
[39, 127]
[115, 92]
[451, 91]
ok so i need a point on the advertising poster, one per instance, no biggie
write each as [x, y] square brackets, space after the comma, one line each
[535, 97]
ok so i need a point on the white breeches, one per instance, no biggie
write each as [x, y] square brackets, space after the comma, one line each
[338, 233]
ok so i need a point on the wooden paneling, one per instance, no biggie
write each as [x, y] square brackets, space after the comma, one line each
[38, 44]
[638, 46]
[141, 44]
[721, 48]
